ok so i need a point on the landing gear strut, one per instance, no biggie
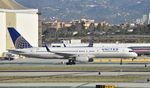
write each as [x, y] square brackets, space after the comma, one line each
[71, 62]
[121, 62]
[133, 58]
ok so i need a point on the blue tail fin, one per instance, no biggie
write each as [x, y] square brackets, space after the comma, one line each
[48, 50]
[18, 41]
[65, 45]
[91, 42]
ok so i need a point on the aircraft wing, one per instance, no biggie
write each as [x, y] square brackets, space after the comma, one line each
[60, 53]
[64, 54]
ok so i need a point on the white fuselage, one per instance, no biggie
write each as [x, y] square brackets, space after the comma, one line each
[67, 52]
[95, 52]
[36, 52]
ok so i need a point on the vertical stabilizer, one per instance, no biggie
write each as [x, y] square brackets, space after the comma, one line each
[18, 41]
[91, 42]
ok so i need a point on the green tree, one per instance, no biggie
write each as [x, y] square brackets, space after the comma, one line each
[122, 31]
[105, 27]
[91, 28]
[82, 25]
[100, 28]
[72, 28]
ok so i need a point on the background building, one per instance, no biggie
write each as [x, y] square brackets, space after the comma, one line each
[149, 18]
[25, 20]
[144, 19]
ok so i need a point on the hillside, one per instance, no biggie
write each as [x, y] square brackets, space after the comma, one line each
[113, 11]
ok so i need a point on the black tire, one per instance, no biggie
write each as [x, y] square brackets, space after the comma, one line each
[73, 63]
[68, 63]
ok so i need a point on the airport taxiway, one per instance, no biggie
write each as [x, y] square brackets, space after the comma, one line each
[35, 62]
[29, 62]
[75, 84]
[71, 73]
[77, 65]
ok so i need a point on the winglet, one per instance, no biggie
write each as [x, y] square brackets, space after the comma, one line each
[65, 45]
[48, 50]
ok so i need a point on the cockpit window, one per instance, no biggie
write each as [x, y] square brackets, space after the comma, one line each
[130, 51]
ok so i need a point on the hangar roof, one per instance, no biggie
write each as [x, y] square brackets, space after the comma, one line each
[11, 4]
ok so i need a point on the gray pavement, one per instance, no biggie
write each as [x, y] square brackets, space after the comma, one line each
[34, 62]
[77, 65]
[75, 84]
[71, 73]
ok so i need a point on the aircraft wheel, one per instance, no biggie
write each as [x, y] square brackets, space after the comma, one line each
[71, 62]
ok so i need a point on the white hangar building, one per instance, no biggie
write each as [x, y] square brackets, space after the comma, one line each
[25, 20]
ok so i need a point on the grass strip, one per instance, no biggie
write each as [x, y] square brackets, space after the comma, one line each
[64, 78]
[78, 68]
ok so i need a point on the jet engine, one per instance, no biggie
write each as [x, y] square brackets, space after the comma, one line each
[84, 59]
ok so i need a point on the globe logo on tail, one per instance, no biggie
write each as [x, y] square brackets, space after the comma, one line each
[21, 43]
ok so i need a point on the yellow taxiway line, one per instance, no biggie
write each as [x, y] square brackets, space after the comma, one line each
[124, 60]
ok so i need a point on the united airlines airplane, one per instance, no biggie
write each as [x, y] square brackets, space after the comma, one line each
[73, 54]
[86, 54]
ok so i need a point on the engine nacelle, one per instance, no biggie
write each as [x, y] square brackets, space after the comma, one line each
[83, 59]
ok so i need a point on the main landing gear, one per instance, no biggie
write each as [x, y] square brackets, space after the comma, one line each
[71, 62]
[121, 62]
[133, 58]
